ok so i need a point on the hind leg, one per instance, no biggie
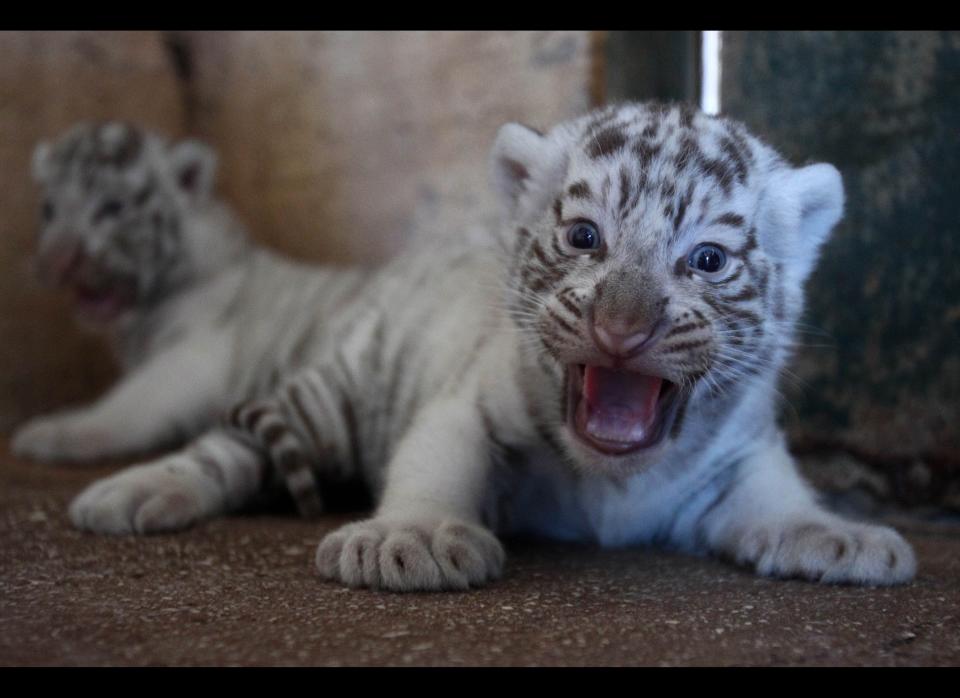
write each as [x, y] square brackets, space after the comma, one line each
[304, 423]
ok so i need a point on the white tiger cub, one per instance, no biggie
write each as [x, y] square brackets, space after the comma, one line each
[618, 385]
[199, 316]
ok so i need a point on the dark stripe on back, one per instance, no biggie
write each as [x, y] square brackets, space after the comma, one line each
[353, 431]
[309, 421]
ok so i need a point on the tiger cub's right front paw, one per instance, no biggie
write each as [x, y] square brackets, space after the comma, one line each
[150, 498]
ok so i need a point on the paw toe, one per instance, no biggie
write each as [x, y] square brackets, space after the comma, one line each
[817, 551]
[884, 558]
[104, 510]
[359, 558]
[166, 511]
[328, 554]
[406, 563]
[467, 556]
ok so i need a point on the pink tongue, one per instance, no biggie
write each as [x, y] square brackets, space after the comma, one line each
[619, 405]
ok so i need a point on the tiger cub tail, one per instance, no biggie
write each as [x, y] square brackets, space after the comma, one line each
[264, 423]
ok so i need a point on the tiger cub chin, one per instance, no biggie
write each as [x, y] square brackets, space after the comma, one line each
[607, 374]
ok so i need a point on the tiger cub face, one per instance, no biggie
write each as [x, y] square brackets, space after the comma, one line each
[658, 259]
[115, 204]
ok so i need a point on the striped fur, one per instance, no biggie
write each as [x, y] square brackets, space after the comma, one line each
[451, 382]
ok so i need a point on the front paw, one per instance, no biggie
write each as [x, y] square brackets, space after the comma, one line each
[59, 439]
[831, 551]
[411, 555]
[151, 498]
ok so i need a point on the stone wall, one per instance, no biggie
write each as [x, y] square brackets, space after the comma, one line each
[881, 379]
[338, 145]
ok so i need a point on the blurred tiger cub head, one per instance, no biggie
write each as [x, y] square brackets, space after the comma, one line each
[127, 217]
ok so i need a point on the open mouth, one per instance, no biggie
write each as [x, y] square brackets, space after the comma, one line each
[99, 294]
[102, 303]
[618, 412]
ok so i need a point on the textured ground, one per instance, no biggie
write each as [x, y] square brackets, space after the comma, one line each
[242, 591]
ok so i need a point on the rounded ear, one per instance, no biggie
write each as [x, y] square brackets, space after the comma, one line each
[797, 213]
[40, 162]
[193, 166]
[523, 163]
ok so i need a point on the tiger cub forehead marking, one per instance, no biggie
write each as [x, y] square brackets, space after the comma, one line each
[93, 149]
[658, 164]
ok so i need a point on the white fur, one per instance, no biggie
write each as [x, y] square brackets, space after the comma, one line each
[798, 210]
[464, 449]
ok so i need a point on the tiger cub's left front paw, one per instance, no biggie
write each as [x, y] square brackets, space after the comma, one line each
[832, 551]
[408, 555]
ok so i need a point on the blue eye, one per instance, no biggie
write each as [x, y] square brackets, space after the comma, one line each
[707, 258]
[584, 236]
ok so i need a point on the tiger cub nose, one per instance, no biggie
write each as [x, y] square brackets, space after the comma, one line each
[619, 339]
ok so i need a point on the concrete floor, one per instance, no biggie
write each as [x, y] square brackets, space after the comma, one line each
[242, 591]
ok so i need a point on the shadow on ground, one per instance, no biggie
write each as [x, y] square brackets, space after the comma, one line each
[242, 591]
